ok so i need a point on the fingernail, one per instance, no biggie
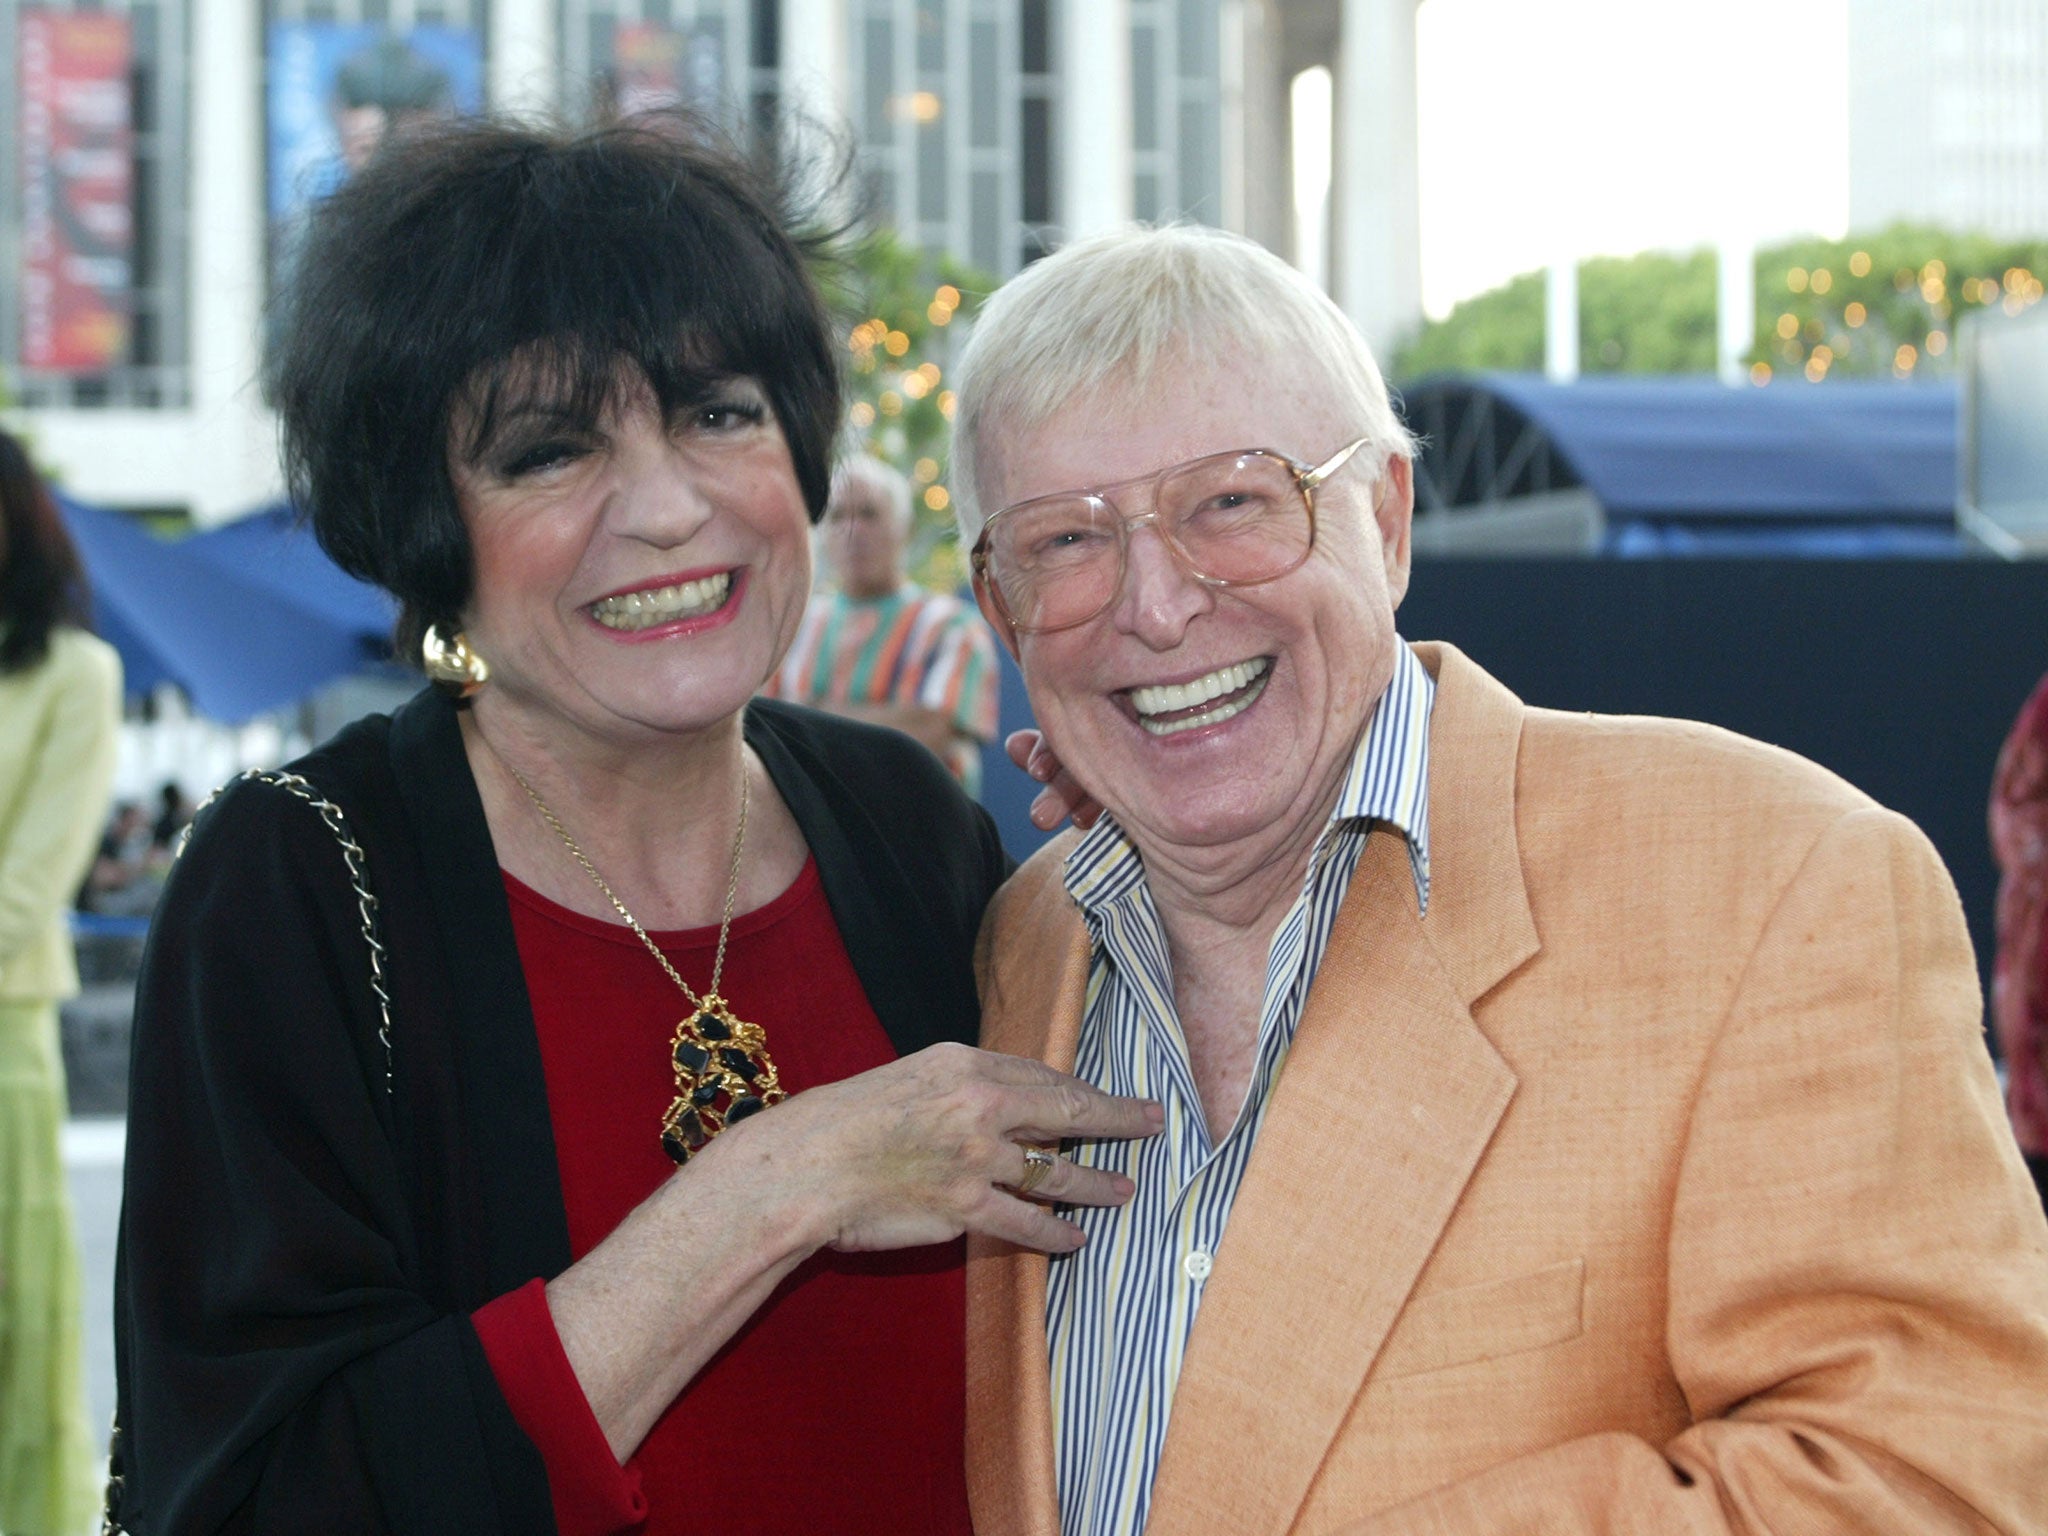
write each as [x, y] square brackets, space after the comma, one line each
[1040, 770]
[1043, 815]
[1155, 1113]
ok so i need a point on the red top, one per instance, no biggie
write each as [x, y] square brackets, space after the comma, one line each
[840, 1405]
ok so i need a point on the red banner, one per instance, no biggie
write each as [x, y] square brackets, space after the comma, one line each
[77, 189]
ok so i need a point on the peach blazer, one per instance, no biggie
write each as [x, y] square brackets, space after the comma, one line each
[1656, 1182]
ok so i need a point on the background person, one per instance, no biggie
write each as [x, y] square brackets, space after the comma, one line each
[60, 714]
[407, 1247]
[1573, 1124]
[879, 647]
[2019, 987]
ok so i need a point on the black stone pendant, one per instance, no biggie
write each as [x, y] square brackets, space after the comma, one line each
[723, 1075]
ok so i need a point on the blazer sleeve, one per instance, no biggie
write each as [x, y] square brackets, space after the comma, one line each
[64, 804]
[1858, 1308]
[284, 1364]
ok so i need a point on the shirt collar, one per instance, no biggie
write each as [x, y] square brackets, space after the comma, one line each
[1387, 782]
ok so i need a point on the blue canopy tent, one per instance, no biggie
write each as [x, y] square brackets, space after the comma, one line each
[238, 639]
[1690, 466]
[276, 550]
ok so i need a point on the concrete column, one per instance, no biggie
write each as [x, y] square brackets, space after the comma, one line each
[1561, 320]
[523, 63]
[1094, 136]
[814, 58]
[1375, 192]
[1737, 307]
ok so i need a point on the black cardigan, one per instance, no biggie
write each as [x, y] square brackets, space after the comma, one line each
[301, 1243]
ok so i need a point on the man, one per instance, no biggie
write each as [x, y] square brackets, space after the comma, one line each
[1572, 1124]
[882, 649]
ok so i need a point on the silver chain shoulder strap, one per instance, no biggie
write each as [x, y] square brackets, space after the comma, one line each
[366, 909]
[358, 879]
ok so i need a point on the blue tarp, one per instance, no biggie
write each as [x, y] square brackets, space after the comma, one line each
[1658, 450]
[236, 632]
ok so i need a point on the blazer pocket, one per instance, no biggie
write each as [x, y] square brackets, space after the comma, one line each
[1486, 1321]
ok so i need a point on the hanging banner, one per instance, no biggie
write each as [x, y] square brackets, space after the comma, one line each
[334, 90]
[77, 189]
[656, 67]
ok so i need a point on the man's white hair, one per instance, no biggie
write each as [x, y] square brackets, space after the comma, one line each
[1136, 303]
[863, 473]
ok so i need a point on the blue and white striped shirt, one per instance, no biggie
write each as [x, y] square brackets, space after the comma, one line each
[1119, 1310]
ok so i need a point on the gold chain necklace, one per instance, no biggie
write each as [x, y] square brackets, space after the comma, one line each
[722, 1068]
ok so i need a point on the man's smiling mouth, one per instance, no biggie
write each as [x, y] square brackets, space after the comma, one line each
[1172, 707]
[663, 605]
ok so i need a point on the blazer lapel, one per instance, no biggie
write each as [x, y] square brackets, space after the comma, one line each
[1389, 1096]
[1032, 996]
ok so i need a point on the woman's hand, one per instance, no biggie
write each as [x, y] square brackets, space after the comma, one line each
[1062, 799]
[931, 1146]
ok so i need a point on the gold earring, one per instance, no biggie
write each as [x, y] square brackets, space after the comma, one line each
[452, 661]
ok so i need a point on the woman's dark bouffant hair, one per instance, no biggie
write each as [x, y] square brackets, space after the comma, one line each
[477, 261]
[42, 583]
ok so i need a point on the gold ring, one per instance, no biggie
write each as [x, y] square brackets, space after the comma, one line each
[1038, 1162]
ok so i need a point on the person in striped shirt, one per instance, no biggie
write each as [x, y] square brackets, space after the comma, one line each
[1574, 1125]
[882, 649]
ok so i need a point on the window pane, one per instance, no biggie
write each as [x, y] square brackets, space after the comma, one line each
[931, 35]
[1144, 88]
[931, 170]
[878, 45]
[1036, 27]
[1145, 196]
[1199, 191]
[1198, 38]
[984, 110]
[985, 221]
[1036, 160]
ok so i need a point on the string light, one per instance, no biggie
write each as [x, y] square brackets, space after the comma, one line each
[1788, 326]
[1855, 314]
[946, 404]
[1822, 280]
[892, 403]
[1759, 374]
[1904, 359]
[1796, 279]
[862, 414]
[1937, 343]
[1859, 264]
[936, 498]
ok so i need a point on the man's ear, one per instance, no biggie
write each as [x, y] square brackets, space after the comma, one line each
[1394, 511]
[986, 602]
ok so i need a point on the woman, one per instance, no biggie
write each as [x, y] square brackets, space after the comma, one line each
[2019, 986]
[407, 1245]
[60, 705]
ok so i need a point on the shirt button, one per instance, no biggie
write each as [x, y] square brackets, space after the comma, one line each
[1198, 1264]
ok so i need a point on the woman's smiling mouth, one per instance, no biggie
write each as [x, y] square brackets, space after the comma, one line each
[663, 605]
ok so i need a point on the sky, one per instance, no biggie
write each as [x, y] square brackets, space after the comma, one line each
[1558, 128]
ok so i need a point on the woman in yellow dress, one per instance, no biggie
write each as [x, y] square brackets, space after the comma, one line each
[60, 699]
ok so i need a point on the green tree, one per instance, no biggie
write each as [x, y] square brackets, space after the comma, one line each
[1870, 305]
[900, 310]
[1884, 303]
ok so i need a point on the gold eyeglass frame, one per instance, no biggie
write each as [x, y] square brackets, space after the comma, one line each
[1307, 478]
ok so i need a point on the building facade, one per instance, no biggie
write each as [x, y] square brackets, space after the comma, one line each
[1948, 114]
[169, 147]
